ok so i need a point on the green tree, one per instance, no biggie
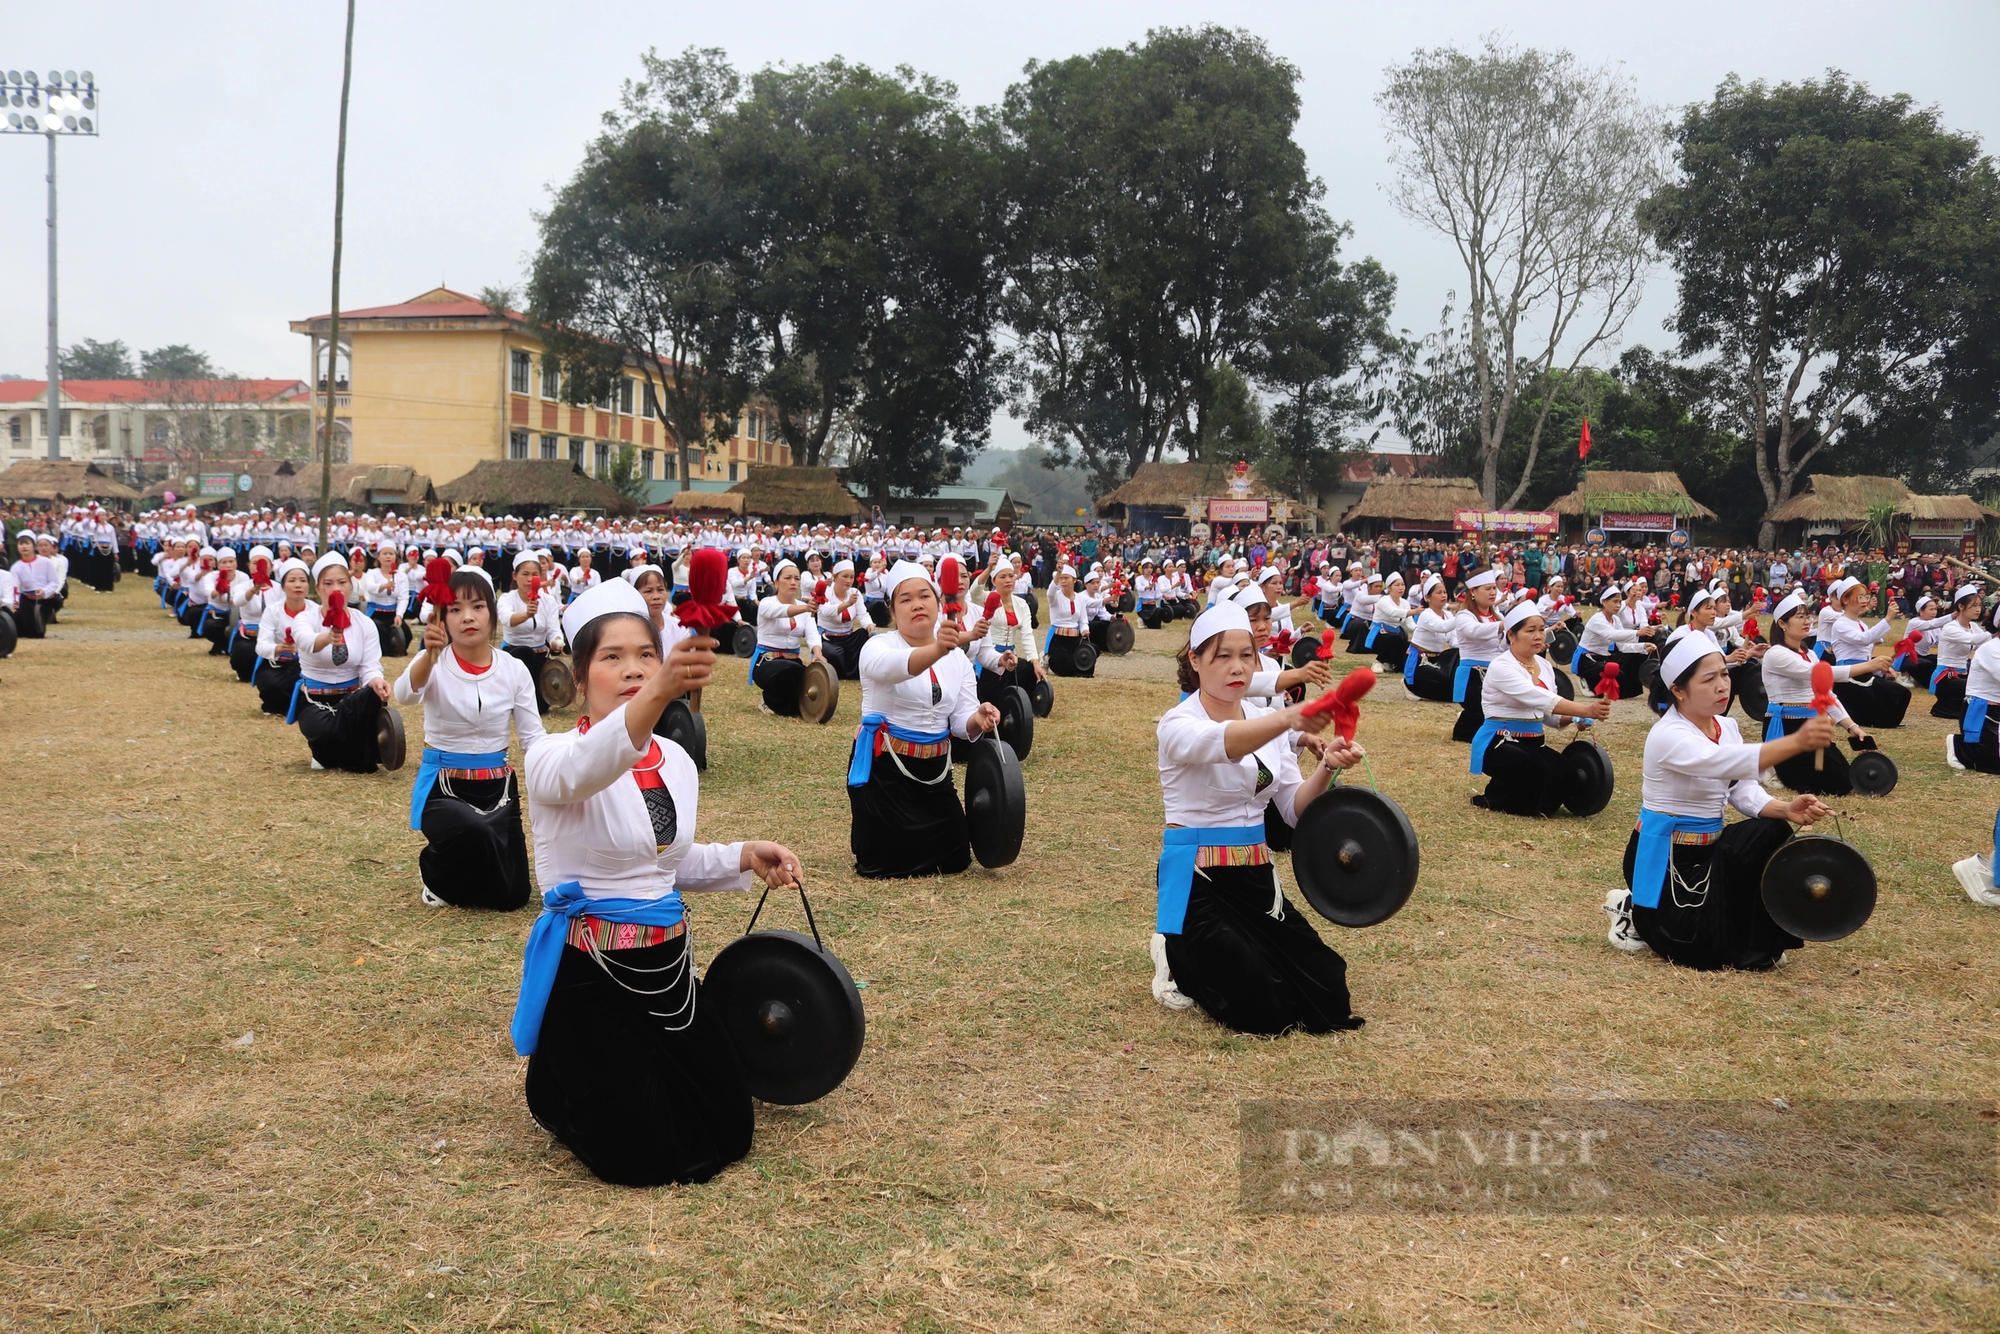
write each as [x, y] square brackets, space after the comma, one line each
[639, 258]
[92, 360]
[176, 361]
[1836, 252]
[1160, 203]
[624, 477]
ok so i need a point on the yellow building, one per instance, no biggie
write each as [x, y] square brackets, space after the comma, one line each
[442, 381]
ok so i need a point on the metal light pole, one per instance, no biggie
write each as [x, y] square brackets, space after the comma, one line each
[66, 104]
[333, 326]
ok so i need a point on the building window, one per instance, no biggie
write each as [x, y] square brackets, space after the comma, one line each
[732, 471]
[625, 394]
[575, 450]
[551, 378]
[652, 400]
[14, 428]
[517, 445]
[673, 467]
[646, 464]
[548, 446]
[609, 401]
[603, 458]
[523, 372]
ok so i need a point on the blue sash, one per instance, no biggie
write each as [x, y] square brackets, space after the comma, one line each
[1463, 675]
[1493, 727]
[434, 760]
[1975, 719]
[862, 763]
[545, 945]
[1849, 662]
[1374, 628]
[1049, 640]
[760, 651]
[1939, 671]
[303, 685]
[1576, 661]
[1410, 661]
[1656, 851]
[1176, 874]
[1773, 728]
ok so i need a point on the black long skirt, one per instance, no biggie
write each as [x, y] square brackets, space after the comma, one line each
[1876, 701]
[638, 1103]
[216, 631]
[991, 681]
[274, 685]
[1249, 971]
[1727, 928]
[1982, 755]
[1472, 710]
[1525, 777]
[243, 656]
[1432, 679]
[28, 619]
[780, 680]
[341, 731]
[1062, 657]
[1746, 687]
[902, 826]
[191, 615]
[1391, 648]
[1948, 696]
[534, 659]
[1357, 635]
[843, 653]
[475, 855]
[1798, 773]
[394, 644]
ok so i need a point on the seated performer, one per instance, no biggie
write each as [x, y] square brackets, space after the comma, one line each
[251, 596]
[1227, 938]
[1958, 638]
[527, 613]
[276, 674]
[386, 589]
[1429, 662]
[1517, 695]
[1275, 685]
[221, 588]
[786, 627]
[1695, 885]
[1788, 665]
[1388, 631]
[626, 1068]
[1005, 651]
[1881, 700]
[1361, 624]
[1976, 742]
[1147, 592]
[341, 690]
[1069, 624]
[464, 801]
[1976, 873]
[916, 695]
[1479, 637]
[1608, 638]
[843, 623]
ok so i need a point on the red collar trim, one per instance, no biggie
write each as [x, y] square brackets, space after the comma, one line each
[467, 667]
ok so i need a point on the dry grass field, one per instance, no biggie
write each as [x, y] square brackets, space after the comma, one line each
[248, 1082]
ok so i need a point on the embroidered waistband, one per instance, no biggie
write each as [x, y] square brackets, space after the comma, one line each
[1253, 854]
[478, 775]
[919, 750]
[586, 932]
[330, 690]
[1693, 838]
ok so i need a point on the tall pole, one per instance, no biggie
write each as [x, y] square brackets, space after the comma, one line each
[55, 365]
[333, 331]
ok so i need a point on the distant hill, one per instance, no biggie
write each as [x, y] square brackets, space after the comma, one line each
[1056, 494]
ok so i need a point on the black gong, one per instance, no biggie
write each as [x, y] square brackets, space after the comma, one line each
[1118, 636]
[1086, 657]
[1819, 888]
[1873, 773]
[1562, 645]
[9, 634]
[396, 641]
[1125, 601]
[792, 1013]
[743, 640]
[558, 686]
[1017, 720]
[1305, 650]
[996, 803]
[1564, 686]
[1354, 854]
[1044, 696]
[389, 743]
[1590, 777]
[686, 729]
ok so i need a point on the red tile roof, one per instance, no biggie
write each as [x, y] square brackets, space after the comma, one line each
[440, 303]
[1364, 470]
[152, 391]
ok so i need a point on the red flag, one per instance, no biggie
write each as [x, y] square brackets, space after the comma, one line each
[1583, 443]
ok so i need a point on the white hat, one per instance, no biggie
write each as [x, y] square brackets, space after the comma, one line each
[1964, 591]
[1787, 605]
[901, 573]
[1250, 595]
[286, 566]
[260, 550]
[843, 567]
[1686, 654]
[1609, 591]
[388, 545]
[1700, 597]
[607, 599]
[327, 562]
[525, 558]
[1224, 615]
[1483, 578]
[1522, 611]
[474, 569]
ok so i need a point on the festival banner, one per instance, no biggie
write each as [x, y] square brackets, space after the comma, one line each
[1540, 522]
[217, 484]
[1638, 523]
[1239, 511]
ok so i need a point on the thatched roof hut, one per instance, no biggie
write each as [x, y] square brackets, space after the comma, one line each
[1164, 489]
[1605, 491]
[1419, 504]
[686, 503]
[796, 493]
[532, 487]
[1831, 505]
[63, 482]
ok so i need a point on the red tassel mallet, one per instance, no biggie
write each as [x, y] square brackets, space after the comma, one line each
[437, 583]
[1750, 630]
[335, 617]
[948, 584]
[1906, 647]
[1344, 702]
[1607, 682]
[260, 573]
[1822, 700]
[708, 580]
[819, 592]
[994, 601]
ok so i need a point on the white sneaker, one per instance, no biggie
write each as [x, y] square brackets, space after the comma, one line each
[1618, 902]
[1951, 749]
[766, 709]
[1412, 696]
[1164, 990]
[1975, 876]
[318, 765]
[431, 900]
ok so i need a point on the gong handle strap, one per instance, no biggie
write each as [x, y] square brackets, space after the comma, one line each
[804, 902]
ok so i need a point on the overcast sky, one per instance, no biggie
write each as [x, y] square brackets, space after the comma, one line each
[204, 213]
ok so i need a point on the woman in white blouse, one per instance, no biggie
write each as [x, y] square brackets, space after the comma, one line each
[1477, 638]
[1608, 638]
[1975, 742]
[1388, 633]
[1958, 638]
[1787, 671]
[843, 622]
[276, 674]
[1069, 624]
[464, 801]
[1518, 696]
[787, 639]
[1005, 650]
[626, 1067]
[341, 690]
[1880, 700]
[527, 616]
[1426, 664]
[917, 693]
[1362, 622]
[1226, 938]
[251, 595]
[1694, 883]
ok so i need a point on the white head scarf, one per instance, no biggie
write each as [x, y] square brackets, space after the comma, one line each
[1224, 615]
[607, 599]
